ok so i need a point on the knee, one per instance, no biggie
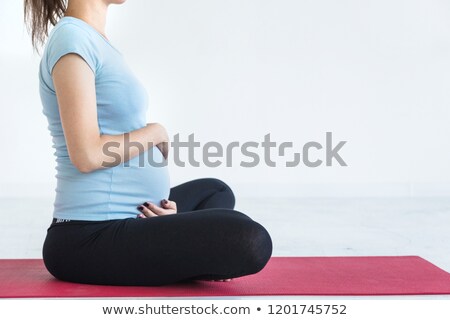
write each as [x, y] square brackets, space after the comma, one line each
[259, 248]
[225, 188]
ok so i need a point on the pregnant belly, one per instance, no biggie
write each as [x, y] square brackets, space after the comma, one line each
[143, 178]
[114, 192]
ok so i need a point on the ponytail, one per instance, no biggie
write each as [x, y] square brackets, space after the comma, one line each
[38, 14]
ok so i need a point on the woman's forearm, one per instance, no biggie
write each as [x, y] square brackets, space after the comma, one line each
[112, 150]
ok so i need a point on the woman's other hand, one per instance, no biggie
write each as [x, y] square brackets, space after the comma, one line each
[149, 209]
[163, 146]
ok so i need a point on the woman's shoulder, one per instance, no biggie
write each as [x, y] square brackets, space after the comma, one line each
[71, 35]
[69, 31]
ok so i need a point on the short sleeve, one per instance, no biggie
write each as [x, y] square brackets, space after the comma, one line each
[71, 38]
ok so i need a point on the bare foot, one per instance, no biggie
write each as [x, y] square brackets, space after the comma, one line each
[221, 280]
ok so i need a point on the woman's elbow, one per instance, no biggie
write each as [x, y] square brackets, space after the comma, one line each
[84, 164]
[85, 169]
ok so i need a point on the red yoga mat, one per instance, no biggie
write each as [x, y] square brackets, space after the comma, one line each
[379, 275]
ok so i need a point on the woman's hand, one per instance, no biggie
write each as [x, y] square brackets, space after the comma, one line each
[163, 146]
[149, 209]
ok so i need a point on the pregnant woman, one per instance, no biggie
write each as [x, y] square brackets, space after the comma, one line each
[116, 220]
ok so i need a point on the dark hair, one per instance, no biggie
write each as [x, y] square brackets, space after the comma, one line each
[38, 14]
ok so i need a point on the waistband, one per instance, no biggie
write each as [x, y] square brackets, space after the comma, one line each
[56, 221]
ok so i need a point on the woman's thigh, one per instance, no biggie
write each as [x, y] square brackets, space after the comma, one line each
[209, 244]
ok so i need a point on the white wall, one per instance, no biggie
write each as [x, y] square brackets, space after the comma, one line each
[375, 73]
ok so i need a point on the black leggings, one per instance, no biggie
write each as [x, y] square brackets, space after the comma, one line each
[205, 240]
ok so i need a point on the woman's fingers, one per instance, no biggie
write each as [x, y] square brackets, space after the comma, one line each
[154, 208]
[149, 209]
[146, 211]
[167, 204]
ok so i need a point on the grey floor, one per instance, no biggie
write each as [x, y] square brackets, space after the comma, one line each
[298, 226]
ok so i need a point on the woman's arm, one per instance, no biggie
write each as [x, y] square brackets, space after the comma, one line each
[74, 83]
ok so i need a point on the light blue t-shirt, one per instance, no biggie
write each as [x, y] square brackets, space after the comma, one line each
[122, 102]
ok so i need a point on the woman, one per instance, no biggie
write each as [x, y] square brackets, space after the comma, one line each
[112, 223]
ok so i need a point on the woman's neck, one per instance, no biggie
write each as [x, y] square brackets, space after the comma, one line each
[91, 12]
